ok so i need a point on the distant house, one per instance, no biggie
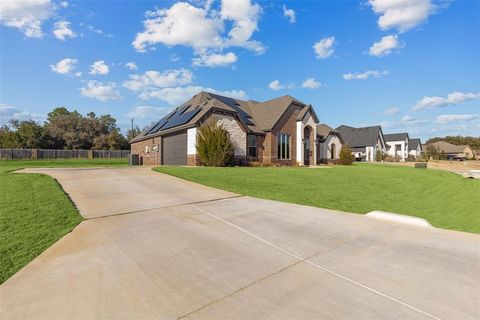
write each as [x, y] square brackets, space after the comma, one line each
[279, 131]
[453, 151]
[329, 144]
[398, 145]
[364, 141]
[415, 148]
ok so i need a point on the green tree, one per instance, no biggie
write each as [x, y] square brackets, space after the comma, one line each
[30, 134]
[111, 141]
[378, 155]
[214, 146]
[9, 138]
[346, 155]
[70, 130]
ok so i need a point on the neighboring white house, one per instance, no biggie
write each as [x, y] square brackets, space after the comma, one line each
[415, 148]
[364, 141]
[329, 144]
[398, 145]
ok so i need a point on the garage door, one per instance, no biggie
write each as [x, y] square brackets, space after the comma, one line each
[175, 149]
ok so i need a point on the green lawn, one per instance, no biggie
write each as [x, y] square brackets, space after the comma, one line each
[445, 199]
[34, 210]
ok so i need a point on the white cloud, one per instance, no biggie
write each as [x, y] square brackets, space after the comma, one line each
[100, 91]
[385, 46]
[448, 118]
[152, 80]
[131, 65]
[244, 16]
[215, 60]
[181, 24]
[8, 113]
[290, 14]
[365, 75]
[148, 112]
[65, 66]
[402, 14]
[99, 67]
[408, 118]
[275, 85]
[177, 95]
[64, 4]
[174, 57]
[391, 111]
[311, 83]
[203, 29]
[26, 15]
[453, 98]
[324, 48]
[62, 30]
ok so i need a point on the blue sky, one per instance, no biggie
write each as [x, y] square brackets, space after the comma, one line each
[408, 65]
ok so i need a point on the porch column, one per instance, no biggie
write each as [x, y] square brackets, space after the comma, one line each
[299, 143]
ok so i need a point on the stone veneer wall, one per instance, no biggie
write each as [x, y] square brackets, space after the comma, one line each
[324, 150]
[237, 135]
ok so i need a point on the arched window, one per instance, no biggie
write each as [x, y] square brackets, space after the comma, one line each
[332, 151]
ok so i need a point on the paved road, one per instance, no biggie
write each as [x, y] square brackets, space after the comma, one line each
[156, 247]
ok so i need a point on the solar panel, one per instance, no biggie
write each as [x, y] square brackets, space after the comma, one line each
[178, 120]
[158, 126]
[181, 110]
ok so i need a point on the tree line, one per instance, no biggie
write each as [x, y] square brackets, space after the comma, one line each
[66, 129]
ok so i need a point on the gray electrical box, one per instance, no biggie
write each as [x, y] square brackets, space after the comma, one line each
[134, 160]
[421, 165]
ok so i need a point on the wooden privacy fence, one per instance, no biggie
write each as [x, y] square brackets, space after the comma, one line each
[24, 154]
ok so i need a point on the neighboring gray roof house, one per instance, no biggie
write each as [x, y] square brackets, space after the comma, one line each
[360, 138]
[396, 137]
[256, 117]
[414, 143]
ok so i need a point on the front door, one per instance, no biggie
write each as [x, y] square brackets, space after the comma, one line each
[306, 146]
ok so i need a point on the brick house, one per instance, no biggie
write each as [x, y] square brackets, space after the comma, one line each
[280, 131]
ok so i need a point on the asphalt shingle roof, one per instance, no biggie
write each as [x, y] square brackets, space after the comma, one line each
[359, 137]
[396, 136]
[414, 143]
[257, 117]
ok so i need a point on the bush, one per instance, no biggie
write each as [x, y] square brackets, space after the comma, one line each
[214, 147]
[346, 156]
[378, 155]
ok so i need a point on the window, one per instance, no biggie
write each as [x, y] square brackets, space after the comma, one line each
[147, 149]
[332, 151]
[252, 145]
[283, 146]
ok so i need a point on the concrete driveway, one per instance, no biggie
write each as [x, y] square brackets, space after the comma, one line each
[156, 247]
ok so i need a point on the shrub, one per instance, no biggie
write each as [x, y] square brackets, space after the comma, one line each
[214, 147]
[378, 155]
[346, 156]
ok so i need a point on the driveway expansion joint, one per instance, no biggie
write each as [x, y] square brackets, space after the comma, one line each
[384, 295]
[163, 207]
